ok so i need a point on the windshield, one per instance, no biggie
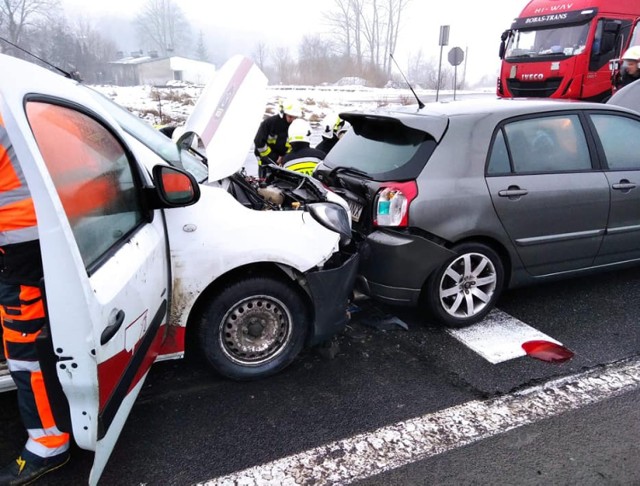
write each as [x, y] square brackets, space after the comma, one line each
[163, 146]
[551, 41]
[384, 149]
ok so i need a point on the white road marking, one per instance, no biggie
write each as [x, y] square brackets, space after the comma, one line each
[394, 446]
[499, 337]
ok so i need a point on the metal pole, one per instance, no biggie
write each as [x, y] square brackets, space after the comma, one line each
[455, 81]
[439, 71]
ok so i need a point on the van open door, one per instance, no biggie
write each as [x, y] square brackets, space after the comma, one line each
[105, 259]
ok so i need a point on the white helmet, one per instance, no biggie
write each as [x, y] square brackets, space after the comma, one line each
[331, 124]
[299, 131]
[292, 108]
[344, 128]
[632, 54]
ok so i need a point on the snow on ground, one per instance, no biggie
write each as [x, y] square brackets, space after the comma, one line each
[171, 105]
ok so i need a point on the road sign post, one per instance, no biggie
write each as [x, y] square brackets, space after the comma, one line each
[456, 56]
[443, 41]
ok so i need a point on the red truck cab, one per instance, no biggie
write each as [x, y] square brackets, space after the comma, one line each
[562, 48]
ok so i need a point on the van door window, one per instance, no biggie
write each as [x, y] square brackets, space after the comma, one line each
[548, 144]
[620, 139]
[92, 175]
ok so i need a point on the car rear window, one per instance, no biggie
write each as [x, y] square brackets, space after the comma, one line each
[385, 149]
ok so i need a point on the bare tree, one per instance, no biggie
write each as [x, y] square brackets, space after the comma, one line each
[368, 31]
[17, 16]
[201, 49]
[261, 55]
[314, 59]
[162, 26]
[284, 65]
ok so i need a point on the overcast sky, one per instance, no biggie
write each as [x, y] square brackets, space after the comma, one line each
[475, 24]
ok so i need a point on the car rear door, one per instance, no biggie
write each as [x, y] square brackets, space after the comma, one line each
[104, 256]
[552, 204]
[618, 141]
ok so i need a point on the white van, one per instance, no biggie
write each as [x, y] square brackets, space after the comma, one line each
[250, 270]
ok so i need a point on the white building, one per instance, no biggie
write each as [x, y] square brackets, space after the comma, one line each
[138, 70]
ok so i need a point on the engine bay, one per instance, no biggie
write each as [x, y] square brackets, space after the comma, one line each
[278, 190]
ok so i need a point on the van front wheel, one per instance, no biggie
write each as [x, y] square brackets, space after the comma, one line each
[466, 287]
[253, 328]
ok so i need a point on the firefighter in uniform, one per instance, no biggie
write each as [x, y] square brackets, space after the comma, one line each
[22, 316]
[271, 138]
[331, 124]
[303, 158]
[630, 71]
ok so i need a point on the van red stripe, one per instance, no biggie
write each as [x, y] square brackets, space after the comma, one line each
[229, 93]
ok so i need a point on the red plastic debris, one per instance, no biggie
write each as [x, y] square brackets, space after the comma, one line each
[547, 351]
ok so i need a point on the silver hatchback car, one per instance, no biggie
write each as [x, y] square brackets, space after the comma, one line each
[456, 201]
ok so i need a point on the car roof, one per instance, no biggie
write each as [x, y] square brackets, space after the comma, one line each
[434, 117]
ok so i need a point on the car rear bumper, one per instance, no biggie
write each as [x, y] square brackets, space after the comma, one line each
[394, 266]
[330, 291]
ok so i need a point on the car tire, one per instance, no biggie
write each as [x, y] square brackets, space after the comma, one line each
[254, 328]
[466, 287]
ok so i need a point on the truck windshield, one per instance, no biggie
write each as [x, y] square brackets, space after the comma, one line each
[557, 41]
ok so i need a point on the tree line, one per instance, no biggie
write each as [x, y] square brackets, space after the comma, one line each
[360, 36]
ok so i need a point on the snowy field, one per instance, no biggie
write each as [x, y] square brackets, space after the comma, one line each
[171, 105]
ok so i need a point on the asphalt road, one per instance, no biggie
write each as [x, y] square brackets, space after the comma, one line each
[190, 425]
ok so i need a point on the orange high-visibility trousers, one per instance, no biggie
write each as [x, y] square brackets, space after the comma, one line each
[22, 317]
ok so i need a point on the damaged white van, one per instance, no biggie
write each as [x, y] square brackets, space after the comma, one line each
[174, 243]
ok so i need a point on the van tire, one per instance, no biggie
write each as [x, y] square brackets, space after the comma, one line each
[455, 287]
[253, 328]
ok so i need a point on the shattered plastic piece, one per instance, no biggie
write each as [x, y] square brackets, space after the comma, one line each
[385, 323]
[547, 351]
[329, 350]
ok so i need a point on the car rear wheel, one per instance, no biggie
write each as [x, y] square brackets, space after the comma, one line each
[465, 288]
[254, 328]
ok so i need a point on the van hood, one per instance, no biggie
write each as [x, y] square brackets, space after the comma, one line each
[227, 115]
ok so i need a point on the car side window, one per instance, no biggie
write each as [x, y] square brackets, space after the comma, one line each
[548, 144]
[620, 139]
[499, 160]
[92, 175]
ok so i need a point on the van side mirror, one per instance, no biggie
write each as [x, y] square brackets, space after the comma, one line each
[174, 188]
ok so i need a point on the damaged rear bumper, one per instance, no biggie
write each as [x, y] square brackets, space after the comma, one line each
[330, 291]
[394, 266]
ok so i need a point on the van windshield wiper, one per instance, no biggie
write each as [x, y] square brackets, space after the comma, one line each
[349, 170]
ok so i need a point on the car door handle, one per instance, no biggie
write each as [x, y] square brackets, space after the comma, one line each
[624, 185]
[512, 192]
[116, 318]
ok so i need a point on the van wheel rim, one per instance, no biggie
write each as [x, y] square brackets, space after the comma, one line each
[468, 285]
[255, 330]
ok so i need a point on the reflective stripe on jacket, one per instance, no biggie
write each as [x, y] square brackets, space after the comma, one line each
[17, 213]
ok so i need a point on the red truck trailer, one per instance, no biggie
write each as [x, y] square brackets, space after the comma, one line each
[562, 48]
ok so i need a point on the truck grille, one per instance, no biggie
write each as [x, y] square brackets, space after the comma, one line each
[533, 89]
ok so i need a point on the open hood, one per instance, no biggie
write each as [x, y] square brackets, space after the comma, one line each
[227, 115]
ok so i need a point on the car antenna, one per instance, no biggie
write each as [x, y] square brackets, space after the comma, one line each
[66, 74]
[420, 103]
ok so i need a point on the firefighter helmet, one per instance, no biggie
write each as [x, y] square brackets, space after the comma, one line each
[343, 128]
[299, 131]
[632, 54]
[331, 124]
[292, 108]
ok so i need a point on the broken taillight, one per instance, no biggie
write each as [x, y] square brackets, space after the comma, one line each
[392, 203]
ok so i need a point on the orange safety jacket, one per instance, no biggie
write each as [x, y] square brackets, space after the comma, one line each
[17, 213]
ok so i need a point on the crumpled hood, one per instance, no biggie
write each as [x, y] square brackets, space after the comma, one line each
[227, 115]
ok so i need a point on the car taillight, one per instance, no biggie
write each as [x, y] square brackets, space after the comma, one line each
[392, 203]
